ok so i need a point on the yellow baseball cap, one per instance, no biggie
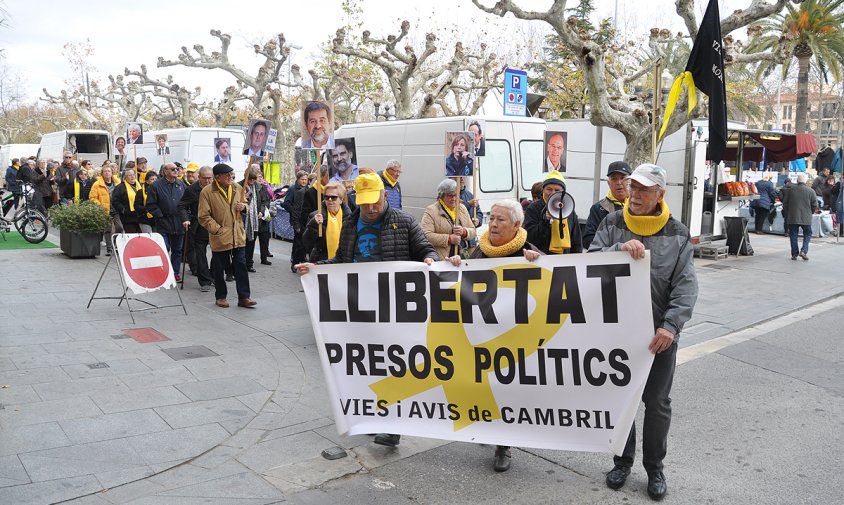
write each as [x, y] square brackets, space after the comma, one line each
[192, 166]
[368, 188]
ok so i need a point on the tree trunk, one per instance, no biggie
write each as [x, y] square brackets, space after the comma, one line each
[638, 148]
[801, 121]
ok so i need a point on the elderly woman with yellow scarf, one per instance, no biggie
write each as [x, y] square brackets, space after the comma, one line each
[333, 212]
[447, 223]
[550, 235]
[503, 238]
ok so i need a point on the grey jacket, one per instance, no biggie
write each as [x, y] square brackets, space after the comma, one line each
[674, 286]
[799, 203]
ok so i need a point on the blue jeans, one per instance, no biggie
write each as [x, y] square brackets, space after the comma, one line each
[175, 243]
[657, 415]
[793, 229]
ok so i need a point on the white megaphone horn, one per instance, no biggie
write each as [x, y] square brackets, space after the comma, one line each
[560, 205]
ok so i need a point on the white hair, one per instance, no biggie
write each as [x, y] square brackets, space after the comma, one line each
[802, 178]
[393, 164]
[517, 215]
[446, 187]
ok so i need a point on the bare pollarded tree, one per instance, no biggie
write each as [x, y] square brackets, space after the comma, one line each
[416, 81]
[174, 103]
[610, 101]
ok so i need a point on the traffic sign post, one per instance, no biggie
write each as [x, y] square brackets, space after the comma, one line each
[143, 265]
[515, 92]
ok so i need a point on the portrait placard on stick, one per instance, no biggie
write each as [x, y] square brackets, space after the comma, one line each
[161, 144]
[317, 125]
[459, 155]
[134, 133]
[343, 160]
[555, 151]
[222, 150]
[256, 137]
[478, 127]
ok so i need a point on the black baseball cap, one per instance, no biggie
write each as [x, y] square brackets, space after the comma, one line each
[620, 167]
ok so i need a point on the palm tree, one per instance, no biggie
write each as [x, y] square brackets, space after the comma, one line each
[812, 29]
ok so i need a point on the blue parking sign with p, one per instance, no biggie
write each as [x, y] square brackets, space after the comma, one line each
[515, 92]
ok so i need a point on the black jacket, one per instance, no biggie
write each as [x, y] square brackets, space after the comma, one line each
[189, 210]
[308, 204]
[539, 229]
[163, 203]
[597, 213]
[401, 239]
[120, 204]
[315, 244]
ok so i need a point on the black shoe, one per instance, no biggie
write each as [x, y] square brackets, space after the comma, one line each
[108, 253]
[501, 460]
[269, 255]
[230, 278]
[266, 262]
[804, 256]
[251, 270]
[387, 439]
[617, 476]
[657, 486]
[293, 268]
[794, 258]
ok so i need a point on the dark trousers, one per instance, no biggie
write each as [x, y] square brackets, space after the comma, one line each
[263, 238]
[657, 415]
[221, 261]
[131, 228]
[761, 216]
[175, 244]
[298, 254]
[190, 254]
[793, 230]
[200, 250]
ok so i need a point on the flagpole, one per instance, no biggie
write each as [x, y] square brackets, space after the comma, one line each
[657, 101]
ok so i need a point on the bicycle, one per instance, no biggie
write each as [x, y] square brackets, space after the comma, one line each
[28, 220]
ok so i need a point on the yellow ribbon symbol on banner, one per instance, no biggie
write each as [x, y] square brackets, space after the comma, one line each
[461, 389]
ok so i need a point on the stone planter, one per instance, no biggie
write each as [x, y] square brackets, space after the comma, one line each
[77, 244]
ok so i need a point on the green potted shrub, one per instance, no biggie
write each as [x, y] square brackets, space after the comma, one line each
[80, 227]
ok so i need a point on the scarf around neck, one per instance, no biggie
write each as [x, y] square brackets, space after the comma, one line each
[131, 190]
[226, 192]
[452, 213]
[612, 198]
[646, 226]
[392, 182]
[332, 231]
[502, 251]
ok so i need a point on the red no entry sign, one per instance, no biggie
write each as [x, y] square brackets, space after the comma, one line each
[146, 262]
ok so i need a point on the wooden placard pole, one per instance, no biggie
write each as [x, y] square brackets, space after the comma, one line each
[135, 149]
[657, 101]
[475, 187]
[319, 188]
[246, 179]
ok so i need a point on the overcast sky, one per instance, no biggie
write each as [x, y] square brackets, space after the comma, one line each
[128, 34]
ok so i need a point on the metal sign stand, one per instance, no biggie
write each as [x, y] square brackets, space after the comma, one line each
[151, 306]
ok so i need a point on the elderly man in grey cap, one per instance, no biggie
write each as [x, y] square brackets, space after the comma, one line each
[645, 224]
[617, 174]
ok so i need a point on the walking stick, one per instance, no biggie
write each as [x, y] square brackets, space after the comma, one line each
[184, 258]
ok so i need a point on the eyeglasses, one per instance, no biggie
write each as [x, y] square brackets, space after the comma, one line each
[332, 197]
[68, 157]
[641, 189]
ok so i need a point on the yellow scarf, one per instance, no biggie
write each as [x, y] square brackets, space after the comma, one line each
[131, 191]
[502, 251]
[332, 232]
[77, 190]
[228, 194]
[646, 226]
[559, 243]
[612, 198]
[392, 182]
[142, 177]
[452, 213]
[319, 187]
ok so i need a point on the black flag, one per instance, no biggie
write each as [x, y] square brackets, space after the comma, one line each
[705, 71]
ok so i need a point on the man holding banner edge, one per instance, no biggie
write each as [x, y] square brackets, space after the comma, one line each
[645, 223]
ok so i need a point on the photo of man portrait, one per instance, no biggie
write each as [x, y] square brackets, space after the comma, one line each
[257, 137]
[134, 133]
[477, 126]
[161, 142]
[460, 154]
[317, 125]
[555, 151]
[222, 150]
[344, 160]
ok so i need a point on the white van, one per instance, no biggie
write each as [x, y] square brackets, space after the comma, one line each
[94, 145]
[513, 160]
[192, 144]
[9, 152]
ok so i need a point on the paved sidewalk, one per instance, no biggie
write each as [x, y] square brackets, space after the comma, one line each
[88, 413]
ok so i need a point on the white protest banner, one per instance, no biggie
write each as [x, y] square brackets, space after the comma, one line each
[551, 354]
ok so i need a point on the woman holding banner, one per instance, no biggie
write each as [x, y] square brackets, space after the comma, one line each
[504, 237]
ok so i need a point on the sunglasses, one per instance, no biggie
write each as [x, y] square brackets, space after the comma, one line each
[332, 197]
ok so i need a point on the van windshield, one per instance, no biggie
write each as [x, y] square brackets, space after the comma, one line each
[88, 143]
